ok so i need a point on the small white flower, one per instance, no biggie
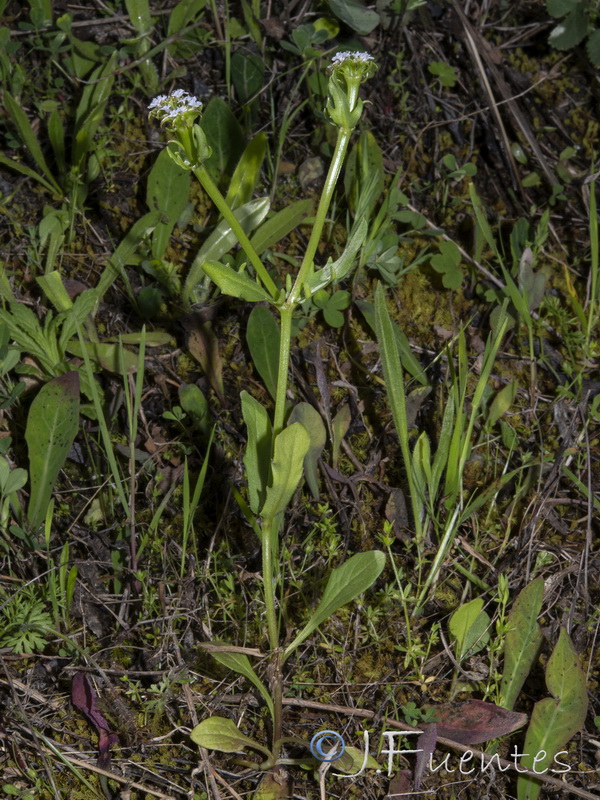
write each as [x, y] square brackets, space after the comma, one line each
[348, 55]
[178, 104]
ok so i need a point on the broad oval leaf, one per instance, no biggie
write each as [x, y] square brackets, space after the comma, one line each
[218, 733]
[469, 627]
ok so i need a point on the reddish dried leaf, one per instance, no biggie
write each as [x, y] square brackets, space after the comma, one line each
[84, 699]
[475, 722]
[426, 744]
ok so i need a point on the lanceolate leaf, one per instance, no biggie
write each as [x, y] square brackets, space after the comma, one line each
[240, 663]
[233, 283]
[257, 460]
[52, 425]
[345, 583]
[262, 335]
[286, 469]
[554, 720]
[523, 640]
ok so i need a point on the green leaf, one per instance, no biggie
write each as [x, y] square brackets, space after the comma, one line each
[127, 247]
[469, 627]
[281, 224]
[241, 664]
[554, 720]
[291, 446]
[311, 421]
[409, 362]
[111, 357]
[235, 284]
[262, 336]
[345, 584]
[167, 191]
[224, 134]
[247, 172]
[247, 75]
[336, 271]
[522, 642]
[27, 134]
[194, 403]
[339, 428]
[222, 239]
[355, 15]
[571, 30]
[91, 108]
[558, 8]
[52, 425]
[53, 288]
[218, 733]
[257, 459]
[502, 402]
[30, 173]
[447, 262]
[592, 47]
[364, 176]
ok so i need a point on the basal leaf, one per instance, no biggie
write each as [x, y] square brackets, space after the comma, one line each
[52, 425]
[218, 733]
[554, 720]
[523, 640]
[247, 172]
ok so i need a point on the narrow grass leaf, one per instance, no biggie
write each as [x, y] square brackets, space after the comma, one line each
[345, 584]
[52, 425]
[27, 134]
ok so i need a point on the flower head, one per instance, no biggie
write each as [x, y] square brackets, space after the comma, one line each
[175, 108]
[354, 65]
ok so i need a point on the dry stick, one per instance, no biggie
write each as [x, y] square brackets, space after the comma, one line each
[487, 758]
[478, 48]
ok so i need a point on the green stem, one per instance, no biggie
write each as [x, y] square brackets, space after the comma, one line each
[268, 581]
[332, 176]
[215, 195]
[286, 312]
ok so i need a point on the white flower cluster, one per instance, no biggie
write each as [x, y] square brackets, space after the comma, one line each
[349, 55]
[174, 105]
